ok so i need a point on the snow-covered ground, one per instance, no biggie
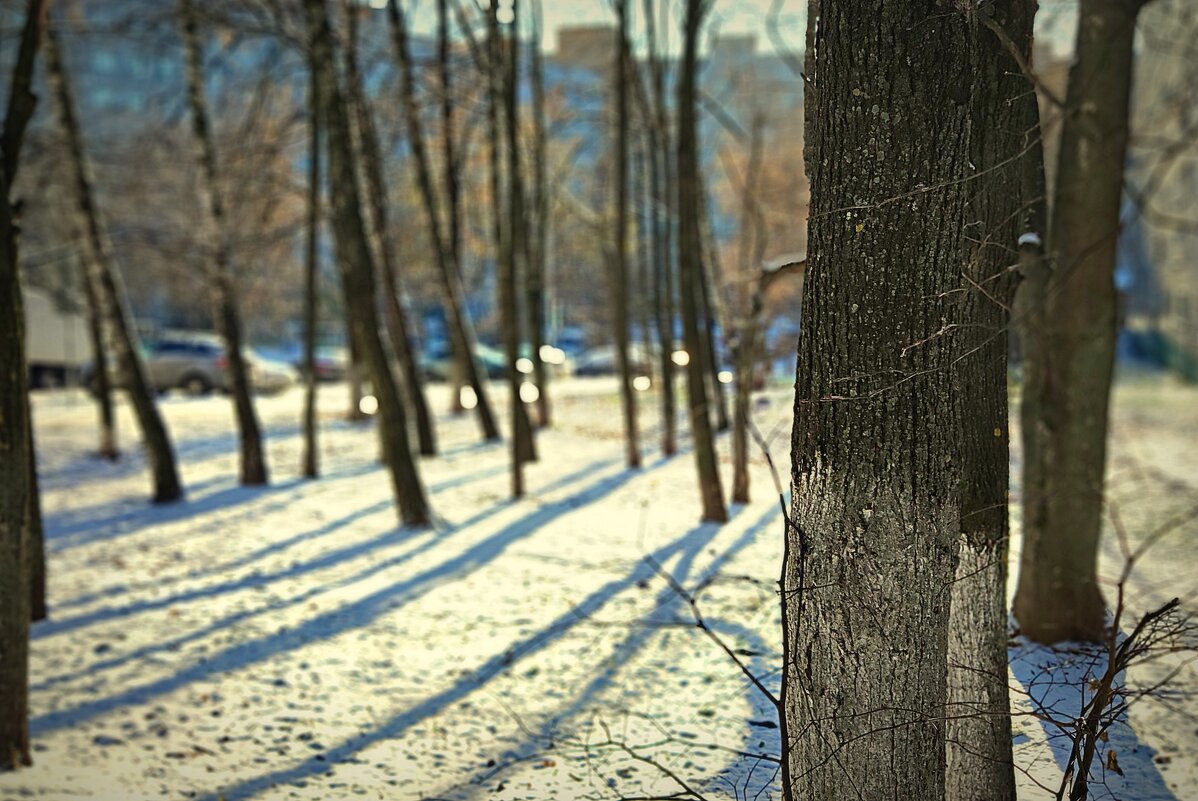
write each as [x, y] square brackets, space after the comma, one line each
[294, 642]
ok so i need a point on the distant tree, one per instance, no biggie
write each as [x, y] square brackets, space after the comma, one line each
[690, 245]
[101, 379]
[1070, 356]
[660, 184]
[356, 264]
[539, 239]
[15, 434]
[102, 272]
[378, 213]
[311, 455]
[873, 532]
[619, 257]
[221, 278]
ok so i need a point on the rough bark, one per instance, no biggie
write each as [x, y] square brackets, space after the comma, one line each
[619, 260]
[1058, 597]
[310, 461]
[872, 549]
[357, 268]
[15, 434]
[398, 326]
[221, 280]
[461, 333]
[979, 757]
[102, 272]
[690, 267]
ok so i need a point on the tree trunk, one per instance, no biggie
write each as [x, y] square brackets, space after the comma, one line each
[709, 312]
[101, 384]
[461, 333]
[535, 275]
[395, 314]
[357, 269]
[15, 434]
[660, 184]
[1058, 597]
[311, 457]
[220, 267]
[751, 252]
[357, 371]
[103, 275]
[619, 266]
[872, 549]
[690, 247]
[37, 535]
[979, 754]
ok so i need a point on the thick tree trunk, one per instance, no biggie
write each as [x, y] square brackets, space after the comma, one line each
[396, 316]
[102, 273]
[310, 465]
[357, 269]
[979, 757]
[619, 265]
[535, 276]
[461, 333]
[220, 267]
[1058, 597]
[872, 549]
[16, 444]
[690, 252]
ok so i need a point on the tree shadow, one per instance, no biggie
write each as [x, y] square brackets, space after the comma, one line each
[1055, 685]
[354, 615]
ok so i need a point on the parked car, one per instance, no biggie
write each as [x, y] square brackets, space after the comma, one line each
[437, 361]
[602, 360]
[332, 364]
[197, 364]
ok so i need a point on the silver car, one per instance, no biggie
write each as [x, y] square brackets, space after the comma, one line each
[197, 364]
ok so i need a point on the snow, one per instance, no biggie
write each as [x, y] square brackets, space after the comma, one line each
[294, 642]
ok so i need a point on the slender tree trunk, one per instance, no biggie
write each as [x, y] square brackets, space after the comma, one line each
[535, 281]
[709, 309]
[101, 383]
[751, 250]
[102, 273]
[619, 267]
[450, 169]
[659, 187]
[38, 609]
[1058, 597]
[220, 267]
[396, 316]
[462, 336]
[979, 758]
[311, 457]
[357, 268]
[872, 550]
[690, 246]
[357, 370]
[16, 445]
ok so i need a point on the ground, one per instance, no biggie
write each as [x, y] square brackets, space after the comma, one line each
[295, 642]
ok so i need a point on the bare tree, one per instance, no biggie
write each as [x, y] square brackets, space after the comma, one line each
[311, 456]
[690, 245]
[101, 381]
[357, 267]
[619, 253]
[539, 240]
[1065, 424]
[16, 445]
[220, 268]
[102, 272]
[461, 333]
[398, 325]
[871, 545]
